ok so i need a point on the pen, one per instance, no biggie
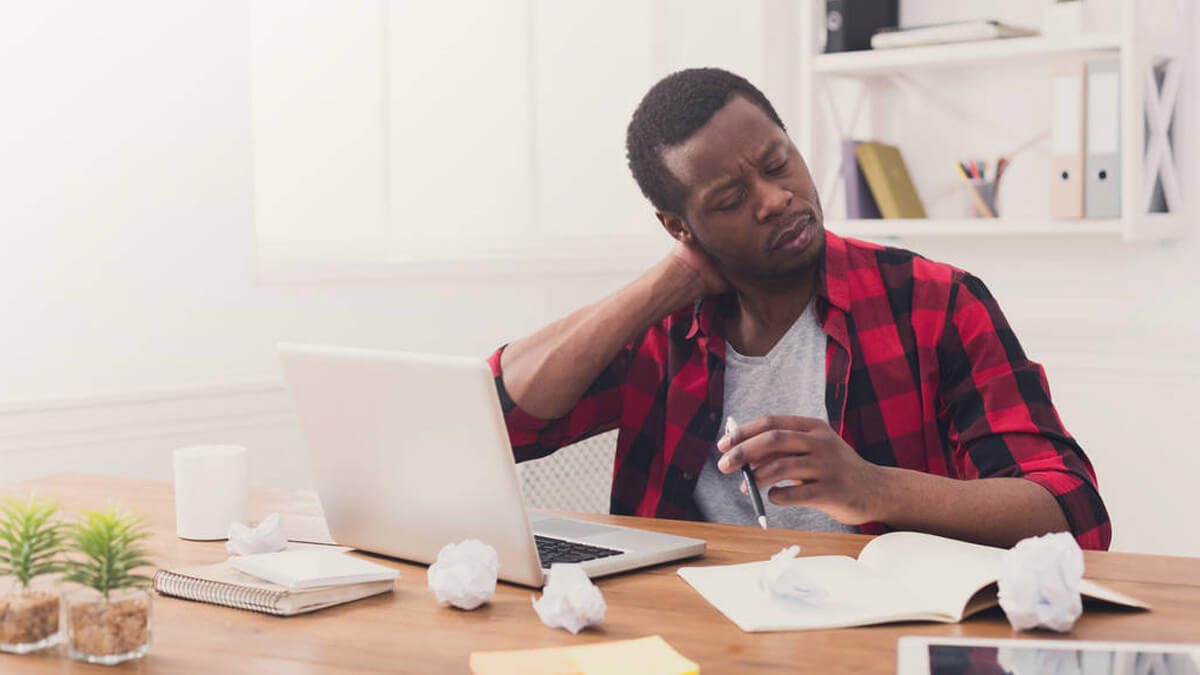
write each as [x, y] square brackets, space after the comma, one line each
[1001, 164]
[751, 484]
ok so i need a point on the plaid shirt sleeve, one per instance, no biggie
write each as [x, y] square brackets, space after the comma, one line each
[597, 411]
[995, 405]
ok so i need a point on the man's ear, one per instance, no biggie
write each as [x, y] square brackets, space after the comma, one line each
[675, 226]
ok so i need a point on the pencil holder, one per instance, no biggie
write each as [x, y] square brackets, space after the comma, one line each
[983, 199]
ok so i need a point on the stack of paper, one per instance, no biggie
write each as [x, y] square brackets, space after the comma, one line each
[964, 31]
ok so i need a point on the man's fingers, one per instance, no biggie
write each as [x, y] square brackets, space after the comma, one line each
[766, 424]
[786, 467]
[795, 495]
[760, 448]
[755, 464]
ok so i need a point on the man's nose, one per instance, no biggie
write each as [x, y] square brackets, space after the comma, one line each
[773, 200]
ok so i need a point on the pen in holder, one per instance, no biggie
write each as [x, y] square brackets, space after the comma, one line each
[983, 187]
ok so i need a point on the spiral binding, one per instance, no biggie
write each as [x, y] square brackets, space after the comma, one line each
[219, 593]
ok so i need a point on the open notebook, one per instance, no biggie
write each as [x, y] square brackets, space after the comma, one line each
[899, 576]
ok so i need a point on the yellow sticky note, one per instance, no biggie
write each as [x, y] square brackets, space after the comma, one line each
[644, 656]
[551, 661]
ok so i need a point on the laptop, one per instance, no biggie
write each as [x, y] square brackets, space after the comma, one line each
[410, 452]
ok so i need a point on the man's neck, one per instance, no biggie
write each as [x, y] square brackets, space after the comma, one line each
[764, 311]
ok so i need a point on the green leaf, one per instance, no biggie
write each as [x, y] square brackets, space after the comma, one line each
[107, 550]
[30, 537]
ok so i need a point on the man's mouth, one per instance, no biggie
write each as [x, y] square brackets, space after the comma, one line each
[797, 235]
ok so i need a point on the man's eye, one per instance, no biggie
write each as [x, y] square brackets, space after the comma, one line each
[730, 204]
[778, 168]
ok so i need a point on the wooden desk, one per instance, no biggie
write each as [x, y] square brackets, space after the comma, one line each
[407, 631]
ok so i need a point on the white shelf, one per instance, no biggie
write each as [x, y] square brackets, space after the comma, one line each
[883, 228]
[988, 52]
[862, 95]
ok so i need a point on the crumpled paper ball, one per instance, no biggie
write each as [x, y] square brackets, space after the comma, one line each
[267, 537]
[464, 574]
[570, 600]
[1039, 586]
[783, 579]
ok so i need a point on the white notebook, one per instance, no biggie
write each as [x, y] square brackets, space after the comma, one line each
[962, 31]
[308, 569]
[899, 576]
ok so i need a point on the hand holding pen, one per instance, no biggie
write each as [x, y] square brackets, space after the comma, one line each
[807, 463]
[751, 484]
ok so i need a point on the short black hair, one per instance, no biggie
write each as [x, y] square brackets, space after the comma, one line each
[669, 114]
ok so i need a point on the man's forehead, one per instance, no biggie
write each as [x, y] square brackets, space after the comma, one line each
[737, 132]
[731, 167]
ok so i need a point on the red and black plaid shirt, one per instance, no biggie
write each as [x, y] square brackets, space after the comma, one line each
[922, 370]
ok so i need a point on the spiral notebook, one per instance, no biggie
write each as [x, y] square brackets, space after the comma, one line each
[221, 584]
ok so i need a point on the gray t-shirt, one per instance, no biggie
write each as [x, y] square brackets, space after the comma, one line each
[789, 380]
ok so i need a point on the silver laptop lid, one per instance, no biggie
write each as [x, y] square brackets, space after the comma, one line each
[410, 452]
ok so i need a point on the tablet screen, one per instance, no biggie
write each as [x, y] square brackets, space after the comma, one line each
[1029, 659]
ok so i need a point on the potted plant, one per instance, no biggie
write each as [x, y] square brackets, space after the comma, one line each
[31, 541]
[108, 621]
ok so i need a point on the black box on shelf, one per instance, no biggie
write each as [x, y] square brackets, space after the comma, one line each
[849, 24]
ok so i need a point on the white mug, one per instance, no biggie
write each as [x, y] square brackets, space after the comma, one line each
[210, 490]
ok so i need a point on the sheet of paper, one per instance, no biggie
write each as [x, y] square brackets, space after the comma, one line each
[310, 568]
[846, 594]
[948, 571]
[643, 656]
[551, 661]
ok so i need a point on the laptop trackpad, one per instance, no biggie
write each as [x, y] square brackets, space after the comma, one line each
[569, 529]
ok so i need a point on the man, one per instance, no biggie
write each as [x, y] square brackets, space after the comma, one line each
[873, 387]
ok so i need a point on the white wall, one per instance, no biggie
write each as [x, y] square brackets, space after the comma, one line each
[125, 161]
[134, 321]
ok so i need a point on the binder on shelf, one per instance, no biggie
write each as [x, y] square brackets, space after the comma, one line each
[888, 178]
[849, 24]
[1102, 188]
[860, 203]
[1068, 89]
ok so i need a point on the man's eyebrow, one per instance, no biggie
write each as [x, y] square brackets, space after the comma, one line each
[771, 147]
[721, 185]
[732, 181]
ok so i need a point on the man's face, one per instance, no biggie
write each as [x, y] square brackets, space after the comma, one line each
[750, 202]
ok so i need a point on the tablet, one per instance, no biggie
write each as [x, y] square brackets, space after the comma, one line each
[963, 656]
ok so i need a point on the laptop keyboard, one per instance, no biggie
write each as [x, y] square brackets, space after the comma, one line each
[551, 550]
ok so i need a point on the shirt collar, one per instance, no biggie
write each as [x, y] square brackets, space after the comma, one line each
[832, 285]
[703, 314]
[833, 282]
